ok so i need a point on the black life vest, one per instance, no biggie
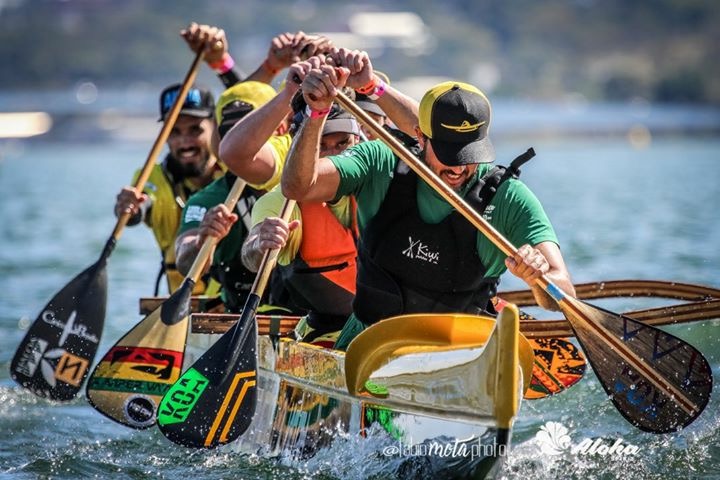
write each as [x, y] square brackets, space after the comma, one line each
[408, 266]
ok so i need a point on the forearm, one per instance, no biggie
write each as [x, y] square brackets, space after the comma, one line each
[263, 74]
[231, 77]
[186, 249]
[401, 109]
[242, 143]
[300, 172]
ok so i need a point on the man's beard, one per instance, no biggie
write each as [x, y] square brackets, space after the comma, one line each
[188, 170]
[421, 156]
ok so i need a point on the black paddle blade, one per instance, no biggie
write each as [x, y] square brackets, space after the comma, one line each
[53, 359]
[208, 406]
[135, 373]
[658, 382]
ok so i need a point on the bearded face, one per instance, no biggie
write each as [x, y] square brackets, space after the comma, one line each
[455, 177]
[190, 145]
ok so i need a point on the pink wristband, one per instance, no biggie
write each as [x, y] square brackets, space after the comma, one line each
[316, 113]
[224, 65]
[379, 90]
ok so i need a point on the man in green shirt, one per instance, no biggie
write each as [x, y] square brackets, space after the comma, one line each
[416, 254]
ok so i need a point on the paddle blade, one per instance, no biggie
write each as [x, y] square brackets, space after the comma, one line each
[558, 365]
[208, 406]
[53, 359]
[132, 377]
[658, 382]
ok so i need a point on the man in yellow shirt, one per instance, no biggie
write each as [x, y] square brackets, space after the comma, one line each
[317, 263]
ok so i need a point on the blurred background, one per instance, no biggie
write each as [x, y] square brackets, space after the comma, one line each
[94, 67]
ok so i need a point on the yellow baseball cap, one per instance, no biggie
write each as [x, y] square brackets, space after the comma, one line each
[455, 116]
[239, 100]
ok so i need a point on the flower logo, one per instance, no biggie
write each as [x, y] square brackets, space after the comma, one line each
[553, 438]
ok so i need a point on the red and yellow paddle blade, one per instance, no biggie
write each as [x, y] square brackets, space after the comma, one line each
[131, 379]
[558, 365]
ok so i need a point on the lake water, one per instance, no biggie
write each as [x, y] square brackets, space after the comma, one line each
[649, 211]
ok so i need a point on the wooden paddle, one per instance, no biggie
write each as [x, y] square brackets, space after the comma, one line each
[658, 382]
[214, 401]
[134, 374]
[53, 359]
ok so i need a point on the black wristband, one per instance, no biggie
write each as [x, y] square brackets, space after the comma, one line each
[230, 78]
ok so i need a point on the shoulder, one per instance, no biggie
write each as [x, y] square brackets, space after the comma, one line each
[212, 194]
[270, 205]
[156, 180]
[369, 156]
[269, 199]
[515, 191]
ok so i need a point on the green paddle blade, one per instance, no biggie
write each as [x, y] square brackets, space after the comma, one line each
[658, 382]
[53, 359]
[132, 377]
[214, 401]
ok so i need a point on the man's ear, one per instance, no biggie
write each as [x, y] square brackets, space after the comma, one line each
[420, 137]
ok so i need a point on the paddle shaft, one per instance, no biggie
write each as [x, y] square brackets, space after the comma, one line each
[567, 303]
[258, 288]
[210, 242]
[161, 139]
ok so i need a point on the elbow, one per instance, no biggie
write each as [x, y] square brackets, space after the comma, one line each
[292, 189]
[182, 265]
[228, 155]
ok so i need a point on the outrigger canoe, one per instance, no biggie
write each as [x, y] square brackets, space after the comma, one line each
[440, 406]
[437, 406]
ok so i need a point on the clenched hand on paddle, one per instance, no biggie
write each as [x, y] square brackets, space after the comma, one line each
[134, 374]
[657, 381]
[214, 401]
[54, 357]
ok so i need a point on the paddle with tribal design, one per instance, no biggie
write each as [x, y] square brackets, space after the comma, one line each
[136, 372]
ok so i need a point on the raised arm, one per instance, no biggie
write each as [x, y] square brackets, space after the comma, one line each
[307, 177]
[212, 40]
[244, 149]
[401, 109]
[288, 48]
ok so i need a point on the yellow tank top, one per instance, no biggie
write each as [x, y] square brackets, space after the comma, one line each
[164, 220]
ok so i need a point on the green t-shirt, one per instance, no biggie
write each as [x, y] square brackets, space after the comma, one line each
[199, 203]
[216, 193]
[366, 171]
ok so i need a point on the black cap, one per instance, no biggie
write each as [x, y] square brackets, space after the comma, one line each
[199, 102]
[455, 117]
